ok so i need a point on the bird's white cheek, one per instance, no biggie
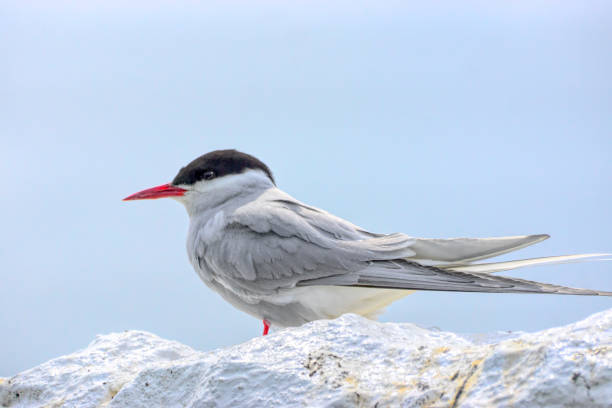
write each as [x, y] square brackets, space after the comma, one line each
[180, 199]
[189, 201]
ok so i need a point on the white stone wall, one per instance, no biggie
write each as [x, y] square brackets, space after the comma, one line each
[346, 362]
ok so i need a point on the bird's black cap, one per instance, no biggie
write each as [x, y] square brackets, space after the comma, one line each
[222, 162]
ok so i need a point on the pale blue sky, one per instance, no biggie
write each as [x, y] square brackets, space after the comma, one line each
[479, 119]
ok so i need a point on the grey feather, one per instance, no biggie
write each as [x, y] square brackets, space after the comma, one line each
[470, 249]
[401, 274]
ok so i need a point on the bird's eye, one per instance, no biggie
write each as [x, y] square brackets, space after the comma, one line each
[209, 175]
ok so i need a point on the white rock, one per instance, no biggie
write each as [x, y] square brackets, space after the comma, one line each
[345, 362]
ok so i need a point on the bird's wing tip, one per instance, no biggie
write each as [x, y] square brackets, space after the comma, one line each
[539, 237]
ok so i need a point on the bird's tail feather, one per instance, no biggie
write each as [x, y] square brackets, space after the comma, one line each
[493, 267]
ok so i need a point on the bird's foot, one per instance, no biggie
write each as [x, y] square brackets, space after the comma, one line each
[266, 326]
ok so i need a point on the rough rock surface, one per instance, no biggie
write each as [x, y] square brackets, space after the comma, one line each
[348, 362]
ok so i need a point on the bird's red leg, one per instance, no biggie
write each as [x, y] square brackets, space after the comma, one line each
[266, 326]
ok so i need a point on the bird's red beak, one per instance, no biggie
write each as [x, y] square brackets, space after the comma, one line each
[165, 190]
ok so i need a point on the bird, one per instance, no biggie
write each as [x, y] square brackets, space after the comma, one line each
[288, 263]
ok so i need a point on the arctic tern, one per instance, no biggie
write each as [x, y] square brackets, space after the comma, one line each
[287, 263]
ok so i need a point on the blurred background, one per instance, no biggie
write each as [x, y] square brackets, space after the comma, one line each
[439, 120]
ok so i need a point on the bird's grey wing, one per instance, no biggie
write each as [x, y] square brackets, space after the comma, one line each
[403, 274]
[276, 210]
[276, 242]
[464, 250]
[269, 244]
[433, 251]
[430, 250]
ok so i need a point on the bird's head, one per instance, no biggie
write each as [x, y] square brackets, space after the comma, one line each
[214, 177]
